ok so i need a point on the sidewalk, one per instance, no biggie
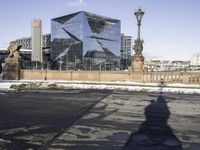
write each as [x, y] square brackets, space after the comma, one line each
[111, 123]
[105, 127]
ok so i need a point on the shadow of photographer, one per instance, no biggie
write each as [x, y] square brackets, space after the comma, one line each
[155, 133]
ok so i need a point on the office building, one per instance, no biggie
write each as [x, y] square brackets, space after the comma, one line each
[126, 51]
[86, 41]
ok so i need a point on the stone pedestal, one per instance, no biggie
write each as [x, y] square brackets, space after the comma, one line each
[11, 69]
[137, 63]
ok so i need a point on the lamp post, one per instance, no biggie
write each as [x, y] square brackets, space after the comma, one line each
[138, 47]
[138, 59]
[139, 15]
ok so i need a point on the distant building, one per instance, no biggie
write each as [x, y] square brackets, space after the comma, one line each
[36, 41]
[126, 51]
[86, 41]
[77, 41]
[126, 47]
[195, 60]
[158, 65]
[26, 42]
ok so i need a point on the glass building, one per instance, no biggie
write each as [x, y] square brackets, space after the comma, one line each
[86, 41]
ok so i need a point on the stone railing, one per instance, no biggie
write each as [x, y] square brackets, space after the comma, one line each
[194, 78]
[165, 76]
[174, 77]
[112, 76]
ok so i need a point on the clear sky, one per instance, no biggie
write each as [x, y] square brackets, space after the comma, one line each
[170, 28]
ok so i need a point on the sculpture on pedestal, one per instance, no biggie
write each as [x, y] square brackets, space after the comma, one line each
[14, 51]
[11, 67]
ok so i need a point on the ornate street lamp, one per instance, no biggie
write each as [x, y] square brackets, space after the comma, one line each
[138, 59]
[139, 15]
[138, 42]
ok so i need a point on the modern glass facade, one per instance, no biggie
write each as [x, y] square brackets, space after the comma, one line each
[86, 41]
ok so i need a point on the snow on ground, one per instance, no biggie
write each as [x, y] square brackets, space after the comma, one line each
[123, 86]
[6, 85]
[137, 88]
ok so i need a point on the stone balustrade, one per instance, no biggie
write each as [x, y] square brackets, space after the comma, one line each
[174, 77]
[112, 76]
[169, 77]
[194, 78]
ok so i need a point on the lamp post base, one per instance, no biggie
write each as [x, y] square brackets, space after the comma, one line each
[137, 63]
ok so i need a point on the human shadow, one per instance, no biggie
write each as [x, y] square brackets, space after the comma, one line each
[155, 133]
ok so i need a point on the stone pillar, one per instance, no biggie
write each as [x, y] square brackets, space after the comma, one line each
[11, 69]
[138, 63]
[137, 76]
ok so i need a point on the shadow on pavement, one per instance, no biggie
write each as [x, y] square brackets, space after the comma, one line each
[154, 133]
[29, 119]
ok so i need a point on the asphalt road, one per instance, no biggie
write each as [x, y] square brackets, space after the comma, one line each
[99, 120]
[29, 119]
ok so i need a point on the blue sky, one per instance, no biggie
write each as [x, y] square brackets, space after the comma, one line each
[170, 28]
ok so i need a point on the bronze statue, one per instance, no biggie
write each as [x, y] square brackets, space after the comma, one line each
[14, 51]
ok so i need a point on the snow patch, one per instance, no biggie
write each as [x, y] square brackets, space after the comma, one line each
[121, 86]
